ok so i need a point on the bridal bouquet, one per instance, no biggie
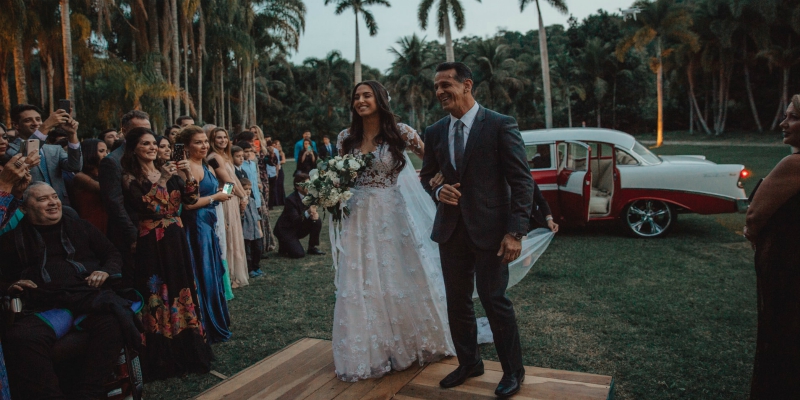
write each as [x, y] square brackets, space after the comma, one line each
[329, 185]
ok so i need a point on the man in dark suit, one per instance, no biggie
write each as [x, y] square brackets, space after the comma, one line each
[483, 206]
[296, 222]
[541, 216]
[327, 149]
[122, 227]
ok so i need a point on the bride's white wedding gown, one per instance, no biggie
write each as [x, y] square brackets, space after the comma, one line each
[390, 299]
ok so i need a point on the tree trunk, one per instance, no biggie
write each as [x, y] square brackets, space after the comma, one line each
[660, 94]
[200, 51]
[690, 73]
[152, 24]
[715, 98]
[176, 58]
[747, 85]
[66, 38]
[724, 118]
[614, 105]
[19, 67]
[184, 36]
[548, 101]
[691, 115]
[448, 39]
[222, 93]
[569, 108]
[229, 120]
[599, 125]
[166, 38]
[51, 73]
[42, 81]
[784, 101]
[358, 54]
[6, 93]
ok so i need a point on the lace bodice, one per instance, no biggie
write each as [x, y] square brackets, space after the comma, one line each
[382, 172]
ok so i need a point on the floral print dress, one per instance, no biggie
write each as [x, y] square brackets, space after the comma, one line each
[174, 336]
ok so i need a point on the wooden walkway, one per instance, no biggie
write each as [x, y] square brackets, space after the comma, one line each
[304, 370]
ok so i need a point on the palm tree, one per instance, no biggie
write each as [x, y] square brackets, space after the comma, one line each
[495, 73]
[369, 19]
[564, 75]
[595, 62]
[410, 76]
[658, 21]
[561, 6]
[332, 80]
[443, 21]
[66, 37]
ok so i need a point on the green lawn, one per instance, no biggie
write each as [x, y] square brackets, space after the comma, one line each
[668, 318]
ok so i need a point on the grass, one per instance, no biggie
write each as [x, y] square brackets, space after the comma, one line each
[668, 318]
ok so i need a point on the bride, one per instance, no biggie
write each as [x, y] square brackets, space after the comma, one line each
[390, 301]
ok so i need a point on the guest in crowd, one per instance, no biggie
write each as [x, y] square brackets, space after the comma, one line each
[272, 165]
[237, 155]
[164, 148]
[308, 158]
[328, 149]
[174, 336]
[86, 186]
[252, 232]
[171, 133]
[250, 166]
[200, 220]
[221, 229]
[296, 222]
[261, 140]
[183, 121]
[55, 261]
[14, 178]
[221, 160]
[27, 120]
[541, 216]
[122, 222]
[773, 227]
[109, 137]
[280, 191]
[300, 145]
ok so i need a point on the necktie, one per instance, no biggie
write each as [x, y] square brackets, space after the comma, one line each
[458, 144]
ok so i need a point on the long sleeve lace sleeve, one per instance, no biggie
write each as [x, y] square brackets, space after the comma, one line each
[413, 141]
[340, 140]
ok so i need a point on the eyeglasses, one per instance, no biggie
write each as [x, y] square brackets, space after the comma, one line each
[5, 137]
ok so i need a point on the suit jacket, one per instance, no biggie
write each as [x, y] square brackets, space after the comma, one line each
[323, 151]
[496, 184]
[540, 209]
[122, 227]
[56, 160]
[292, 217]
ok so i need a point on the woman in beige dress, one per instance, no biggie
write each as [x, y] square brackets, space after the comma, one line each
[220, 159]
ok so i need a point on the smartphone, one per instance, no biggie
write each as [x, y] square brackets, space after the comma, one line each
[227, 188]
[177, 153]
[30, 146]
[65, 105]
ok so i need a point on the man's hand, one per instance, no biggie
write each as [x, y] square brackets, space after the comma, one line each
[19, 286]
[509, 249]
[71, 126]
[133, 248]
[449, 194]
[55, 119]
[97, 278]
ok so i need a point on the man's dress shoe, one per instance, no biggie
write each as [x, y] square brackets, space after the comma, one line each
[461, 374]
[511, 383]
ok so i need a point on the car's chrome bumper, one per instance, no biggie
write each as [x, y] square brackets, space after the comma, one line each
[742, 205]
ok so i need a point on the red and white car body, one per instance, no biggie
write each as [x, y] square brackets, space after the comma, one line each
[588, 175]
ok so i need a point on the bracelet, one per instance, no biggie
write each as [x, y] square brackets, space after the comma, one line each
[549, 218]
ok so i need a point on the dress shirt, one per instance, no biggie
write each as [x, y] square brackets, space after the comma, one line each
[41, 136]
[467, 119]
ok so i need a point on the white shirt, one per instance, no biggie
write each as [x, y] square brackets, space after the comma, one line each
[467, 119]
[41, 136]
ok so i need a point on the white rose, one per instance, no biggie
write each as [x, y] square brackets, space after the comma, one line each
[354, 164]
[347, 195]
[336, 181]
[331, 162]
[340, 165]
[313, 174]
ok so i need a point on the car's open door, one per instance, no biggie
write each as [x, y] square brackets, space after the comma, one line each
[574, 181]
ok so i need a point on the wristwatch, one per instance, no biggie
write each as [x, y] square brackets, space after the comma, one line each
[517, 235]
[549, 218]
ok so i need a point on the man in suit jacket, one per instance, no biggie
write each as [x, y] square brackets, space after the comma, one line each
[296, 222]
[541, 216]
[122, 229]
[483, 206]
[27, 120]
[327, 149]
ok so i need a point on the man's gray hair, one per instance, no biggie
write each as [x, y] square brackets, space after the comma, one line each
[27, 193]
[130, 116]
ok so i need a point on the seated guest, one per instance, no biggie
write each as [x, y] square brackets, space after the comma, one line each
[86, 198]
[252, 232]
[296, 222]
[163, 273]
[541, 216]
[57, 261]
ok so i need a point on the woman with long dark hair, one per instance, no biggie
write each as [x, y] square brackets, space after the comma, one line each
[308, 157]
[390, 310]
[174, 334]
[86, 187]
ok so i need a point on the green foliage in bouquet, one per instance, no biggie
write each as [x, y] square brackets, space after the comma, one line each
[329, 185]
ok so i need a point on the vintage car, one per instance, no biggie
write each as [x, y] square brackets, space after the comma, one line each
[589, 175]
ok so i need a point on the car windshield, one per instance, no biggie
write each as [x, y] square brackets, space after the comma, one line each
[646, 154]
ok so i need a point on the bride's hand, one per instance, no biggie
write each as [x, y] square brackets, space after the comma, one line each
[437, 180]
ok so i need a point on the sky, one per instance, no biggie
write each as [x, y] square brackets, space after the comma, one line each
[326, 31]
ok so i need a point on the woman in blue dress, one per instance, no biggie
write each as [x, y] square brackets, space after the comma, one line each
[200, 219]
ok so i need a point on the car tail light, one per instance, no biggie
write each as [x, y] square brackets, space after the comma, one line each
[743, 174]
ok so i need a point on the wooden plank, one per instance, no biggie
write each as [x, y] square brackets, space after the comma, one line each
[314, 382]
[358, 389]
[285, 369]
[392, 383]
[223, 389]
[544, 372]
[292, 376]
[329, 390]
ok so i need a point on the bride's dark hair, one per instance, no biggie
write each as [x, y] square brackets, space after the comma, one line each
[389, 132]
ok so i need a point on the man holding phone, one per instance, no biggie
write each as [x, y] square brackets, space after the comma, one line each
[32, 134]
